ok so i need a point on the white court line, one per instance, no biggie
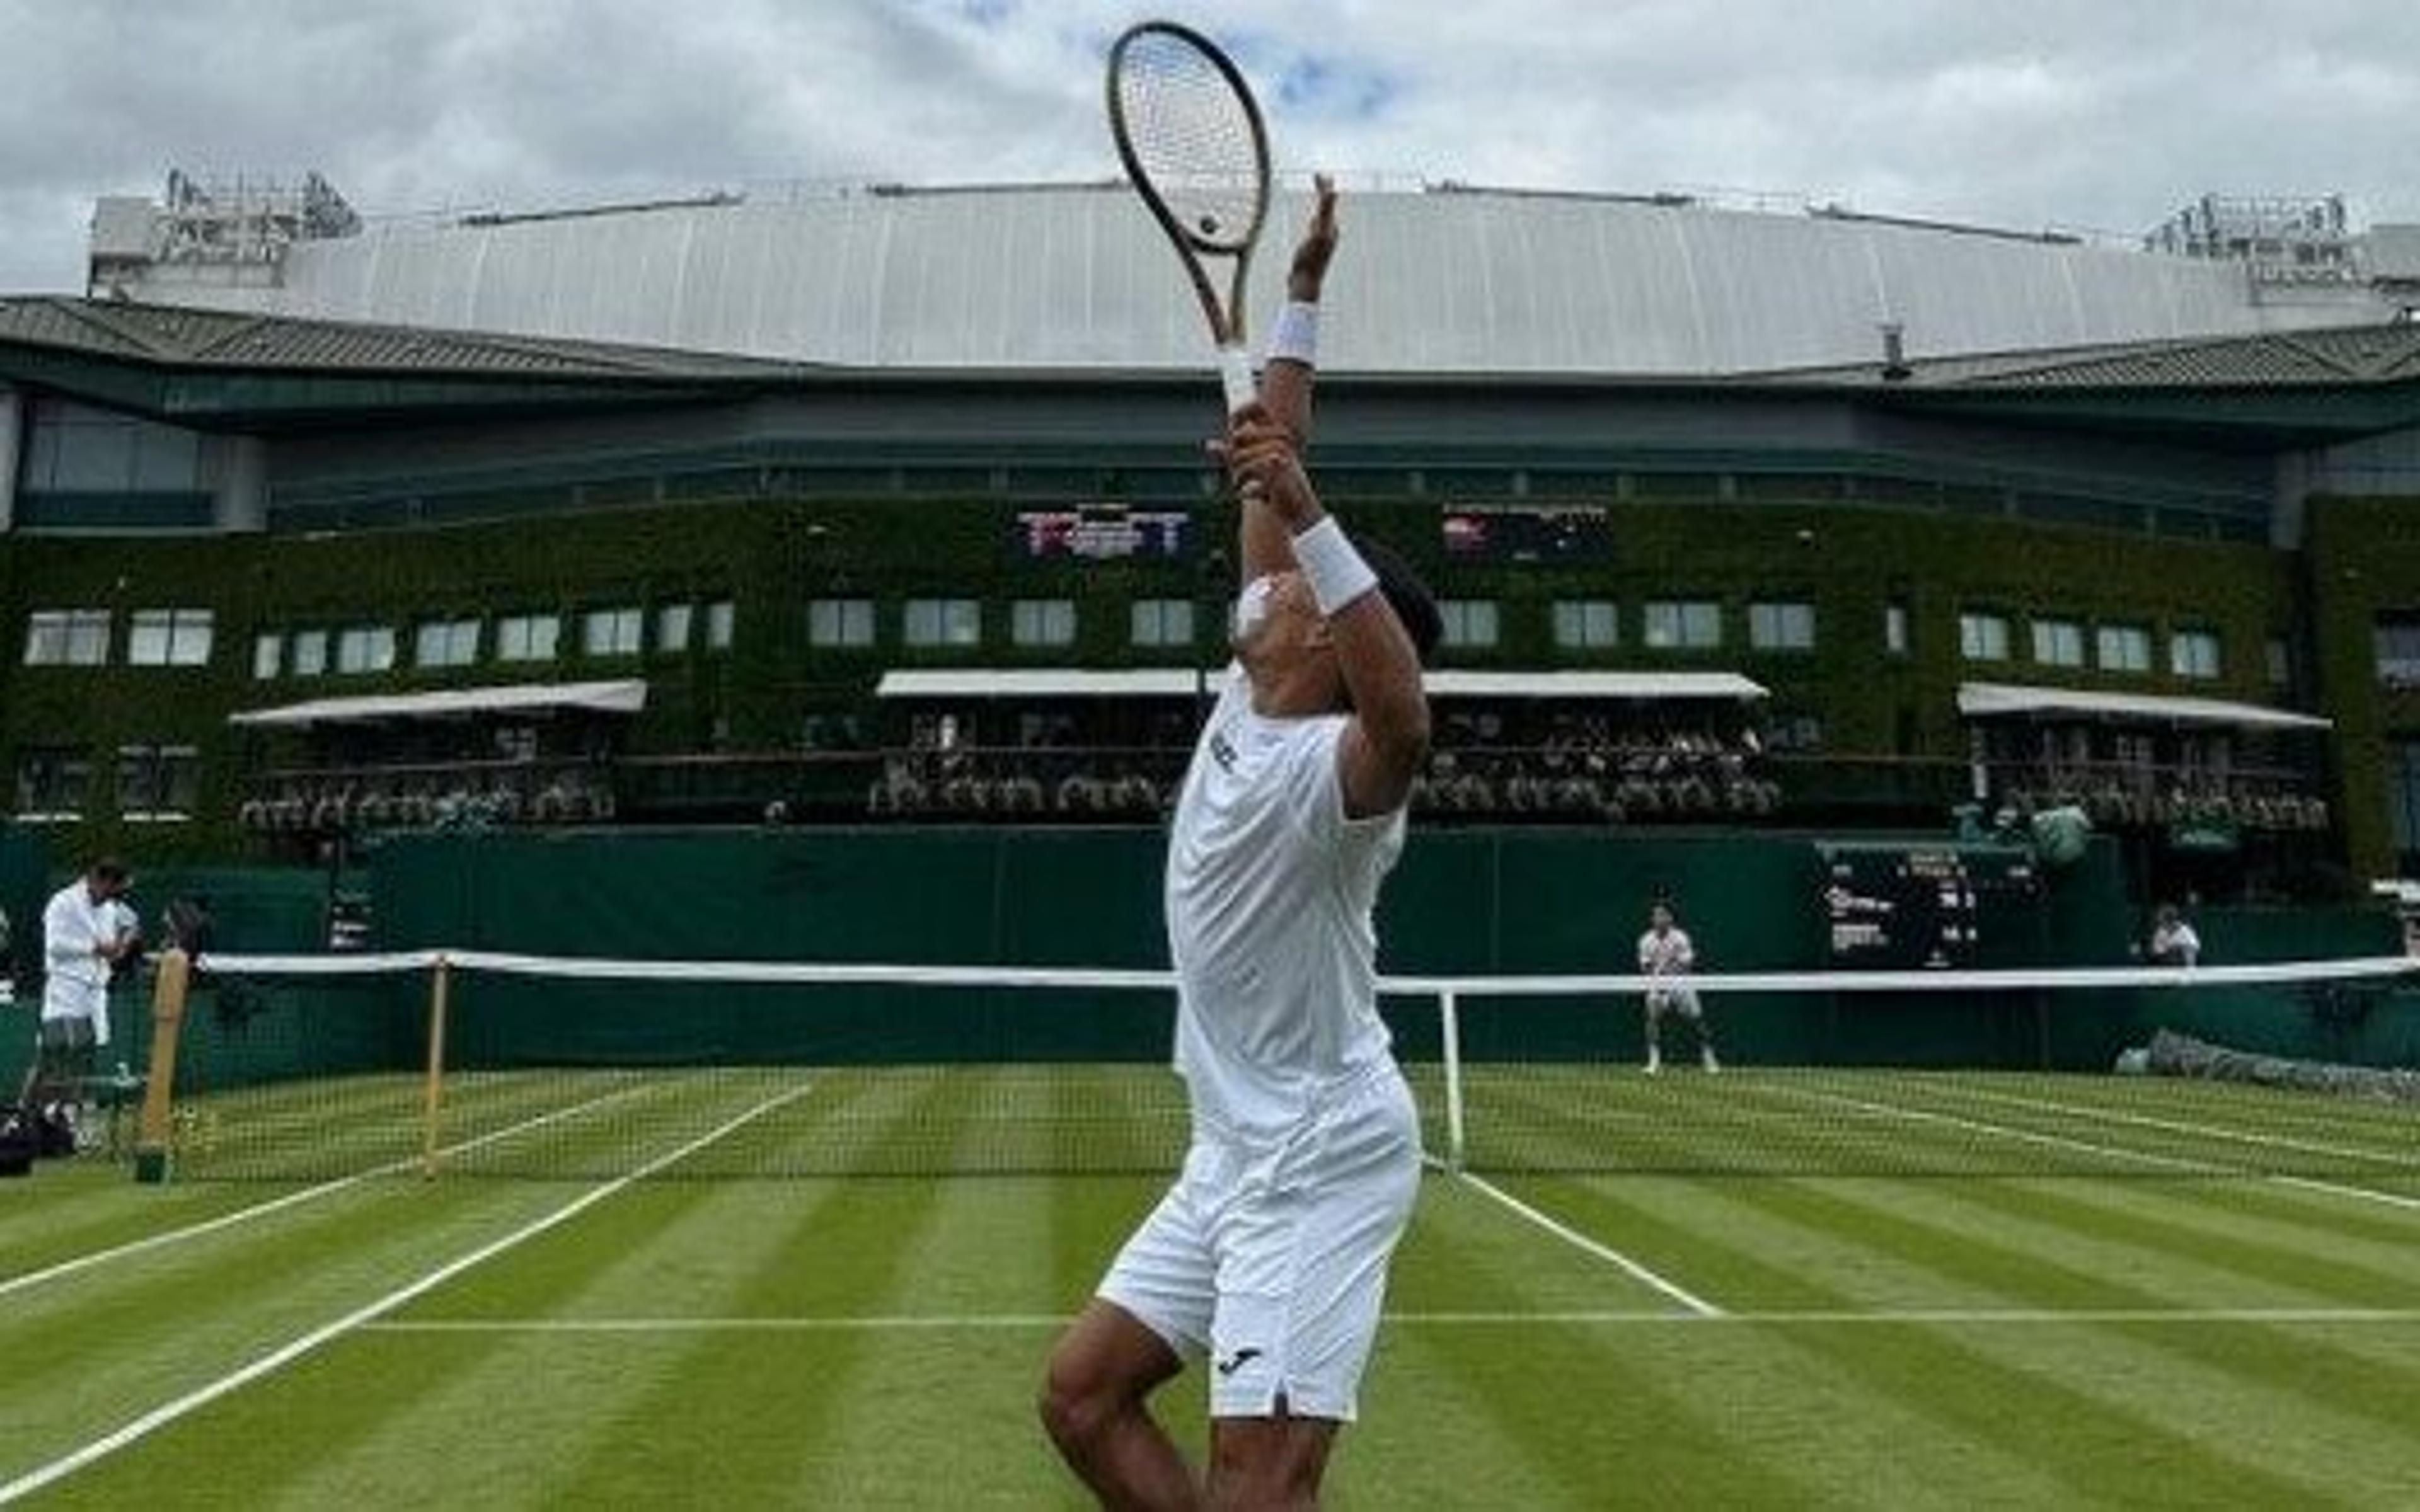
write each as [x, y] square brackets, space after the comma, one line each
[990, 1323]
[1698, 1305]
[2359, 1193]
[286, 1354]
[291, 1199]
[2367, 1193]
[2206, 1131]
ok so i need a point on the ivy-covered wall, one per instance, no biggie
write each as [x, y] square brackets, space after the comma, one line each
[771, 555]
[2364, 562]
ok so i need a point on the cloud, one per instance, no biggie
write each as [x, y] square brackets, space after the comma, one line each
[2108, 114]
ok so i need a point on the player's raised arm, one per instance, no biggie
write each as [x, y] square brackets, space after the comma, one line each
[1387, 738]
[1286, 380]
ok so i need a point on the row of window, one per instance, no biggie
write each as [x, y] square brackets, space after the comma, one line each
[183, 637]
[154, 638]
[620, 631]
[1469, 623]
[2116, 648]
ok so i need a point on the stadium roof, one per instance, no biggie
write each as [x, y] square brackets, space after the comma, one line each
[1984, 699]
[1076, 277]
[184, 337]
[2388, 353]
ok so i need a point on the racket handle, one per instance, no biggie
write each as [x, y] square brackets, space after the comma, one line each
[1235, 373]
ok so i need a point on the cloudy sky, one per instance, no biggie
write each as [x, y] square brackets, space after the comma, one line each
[2088, 114]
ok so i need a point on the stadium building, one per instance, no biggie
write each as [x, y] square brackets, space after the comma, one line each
[888, 504]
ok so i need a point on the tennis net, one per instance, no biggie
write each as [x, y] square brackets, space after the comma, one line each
[487, 1063]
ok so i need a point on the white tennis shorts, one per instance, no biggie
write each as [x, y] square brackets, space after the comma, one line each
[1681, 1000]
[1273, 1263]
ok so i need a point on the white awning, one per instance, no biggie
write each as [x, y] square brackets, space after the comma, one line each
[1183, 682]
[1979, 701]
[1041, 683]
[1643, 687]
[524, 698]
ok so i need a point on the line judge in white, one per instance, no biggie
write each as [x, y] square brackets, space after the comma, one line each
[1268, 1255]
[82, 938]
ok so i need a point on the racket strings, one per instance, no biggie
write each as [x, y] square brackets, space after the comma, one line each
[1192, 139]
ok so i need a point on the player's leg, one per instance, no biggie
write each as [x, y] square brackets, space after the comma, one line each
[84, 1054]
[1301, 1285]
[1153, 1305]
[1695, 1012]
[1096, 1405]
[1655, 1033]
[1273, 1461]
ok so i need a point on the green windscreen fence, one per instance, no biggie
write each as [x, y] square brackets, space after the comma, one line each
[1510, 901]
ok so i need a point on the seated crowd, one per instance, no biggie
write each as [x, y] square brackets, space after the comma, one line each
[429, 798]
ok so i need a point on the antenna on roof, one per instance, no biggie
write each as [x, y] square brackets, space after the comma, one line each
[1895, 368]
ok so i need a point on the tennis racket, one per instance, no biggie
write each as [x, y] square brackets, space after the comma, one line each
[1190, 136]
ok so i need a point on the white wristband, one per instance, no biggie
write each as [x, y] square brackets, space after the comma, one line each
[1334, 569]
[1293, 337]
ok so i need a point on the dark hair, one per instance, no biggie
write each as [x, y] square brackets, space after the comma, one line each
[1415, 606]
[106, 868]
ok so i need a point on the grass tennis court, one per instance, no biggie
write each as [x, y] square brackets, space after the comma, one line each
[2100, 1319]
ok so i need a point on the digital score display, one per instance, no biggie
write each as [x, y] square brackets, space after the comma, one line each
[1100, 533]
[1927, 907]
[1528, 533]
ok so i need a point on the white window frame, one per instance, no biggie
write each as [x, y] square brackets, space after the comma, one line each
[455, 643]
[364, 649]
[1682, 624]
[941, 623]
[619, 630]
[2059, 642]
[529, 637]
[170, 637]
[66, 638]
[1148, 622]
[2127, 640]
[1982, 636]
[1587, 623]
[1782, 624]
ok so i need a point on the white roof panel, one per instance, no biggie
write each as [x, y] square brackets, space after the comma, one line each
[1078, 277]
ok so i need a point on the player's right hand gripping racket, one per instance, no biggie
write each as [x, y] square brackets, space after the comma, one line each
[1190, 136]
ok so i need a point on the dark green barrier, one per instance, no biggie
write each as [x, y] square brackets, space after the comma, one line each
[1462, 903]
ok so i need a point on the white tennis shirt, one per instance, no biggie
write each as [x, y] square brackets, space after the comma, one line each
[1269, 893]
[77, 980]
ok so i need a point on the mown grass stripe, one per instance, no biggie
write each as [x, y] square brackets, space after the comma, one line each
[2089, 1439]
[1558, 1417]
[201, 1397]
[2036, 1246]
[840, 1256]
[687, 1243]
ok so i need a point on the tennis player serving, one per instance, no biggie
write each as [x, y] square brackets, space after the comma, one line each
[1269, 1252]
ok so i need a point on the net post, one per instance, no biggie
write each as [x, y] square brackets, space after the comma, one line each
[168, 993]
[440, 979]
[1449, 1033]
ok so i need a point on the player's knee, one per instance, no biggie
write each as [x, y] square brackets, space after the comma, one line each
[1077, 1402]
